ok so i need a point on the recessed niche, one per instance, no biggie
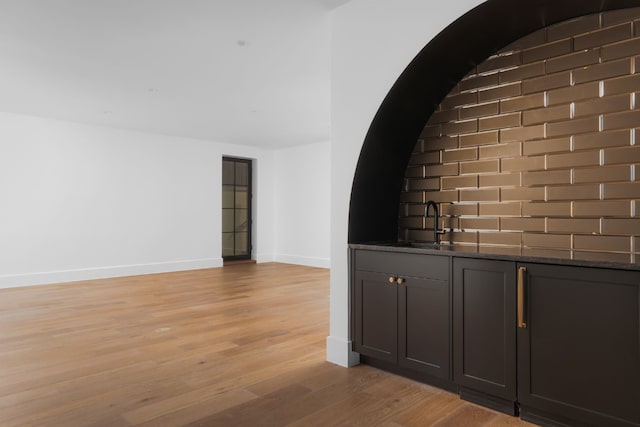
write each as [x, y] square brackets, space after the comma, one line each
[535, 147]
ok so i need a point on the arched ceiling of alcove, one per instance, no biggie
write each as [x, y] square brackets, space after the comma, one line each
[373, 212]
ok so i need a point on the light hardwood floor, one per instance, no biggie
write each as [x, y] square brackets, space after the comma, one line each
[242, 345]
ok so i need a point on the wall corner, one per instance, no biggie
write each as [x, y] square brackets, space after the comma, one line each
[339, 352]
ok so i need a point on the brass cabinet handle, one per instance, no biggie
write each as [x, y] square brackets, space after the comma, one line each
[400, 280]
[521, 277]
[392, 279]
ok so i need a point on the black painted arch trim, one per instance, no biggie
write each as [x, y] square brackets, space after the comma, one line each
[373, 211]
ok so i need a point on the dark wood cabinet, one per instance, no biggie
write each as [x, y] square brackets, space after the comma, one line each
[579, 355]
[376, 313]
[484, 332]
[423, 333]
[560, 344]
[402, 310]
[578, 348]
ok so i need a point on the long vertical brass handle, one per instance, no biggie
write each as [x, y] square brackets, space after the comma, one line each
[521, 276]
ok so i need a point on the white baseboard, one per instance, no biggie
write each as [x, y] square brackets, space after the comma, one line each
[302, 260]
[42, 278]
[264, 258]
[339, 352]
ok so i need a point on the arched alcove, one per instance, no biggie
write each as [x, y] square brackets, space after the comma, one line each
[442, 63]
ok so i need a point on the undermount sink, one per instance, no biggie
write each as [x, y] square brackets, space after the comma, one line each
[425, 245]
[419, 245]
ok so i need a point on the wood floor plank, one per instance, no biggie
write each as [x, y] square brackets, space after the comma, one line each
[242, 345]
[467, 416]
[188, 407]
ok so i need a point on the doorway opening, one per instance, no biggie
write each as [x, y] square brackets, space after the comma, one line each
[236, 209]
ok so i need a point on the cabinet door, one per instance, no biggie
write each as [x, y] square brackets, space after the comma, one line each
[424, 326]
[484, 326]
[376, 316]
[579, 355]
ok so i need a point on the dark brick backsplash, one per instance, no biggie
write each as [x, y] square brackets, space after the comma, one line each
[567, 95]
[536, 147]
[572, 27]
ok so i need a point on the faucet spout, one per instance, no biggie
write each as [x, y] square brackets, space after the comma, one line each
[436, 220]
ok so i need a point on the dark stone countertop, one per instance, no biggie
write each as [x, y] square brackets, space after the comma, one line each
[496, 253]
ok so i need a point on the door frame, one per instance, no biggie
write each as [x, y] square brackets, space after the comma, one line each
[249, 163]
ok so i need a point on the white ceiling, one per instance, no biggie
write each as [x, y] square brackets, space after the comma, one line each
[241, 71]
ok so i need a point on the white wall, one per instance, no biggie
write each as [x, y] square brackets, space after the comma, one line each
[80, 202]
[372, 42]
[302, 208]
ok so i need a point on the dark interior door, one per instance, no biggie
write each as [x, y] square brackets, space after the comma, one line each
[236, 208]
